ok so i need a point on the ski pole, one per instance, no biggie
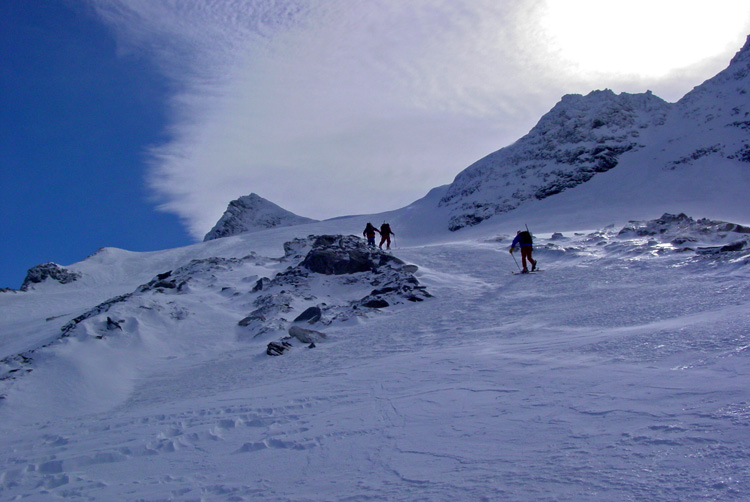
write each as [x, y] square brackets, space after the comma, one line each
[514, 259]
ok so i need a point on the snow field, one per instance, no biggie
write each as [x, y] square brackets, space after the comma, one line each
[620, 373]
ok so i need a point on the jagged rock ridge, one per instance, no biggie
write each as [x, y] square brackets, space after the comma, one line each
[251, 213]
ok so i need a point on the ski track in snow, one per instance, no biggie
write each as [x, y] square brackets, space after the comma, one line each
[601, 379]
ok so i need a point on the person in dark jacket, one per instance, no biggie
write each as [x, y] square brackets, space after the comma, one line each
[385, 235]
[369, 234]
[525, 242]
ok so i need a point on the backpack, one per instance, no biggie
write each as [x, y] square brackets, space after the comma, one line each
[524, 238]
[385, 229]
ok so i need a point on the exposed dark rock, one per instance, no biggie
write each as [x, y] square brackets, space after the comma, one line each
[262, 283]
[376, 303]
[41, 273]
[338, 254]
[112, 324]
[735, 246]
[340, 262]
[311, 315]
[277, 348]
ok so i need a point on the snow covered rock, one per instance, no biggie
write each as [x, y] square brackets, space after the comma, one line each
[582, 136]
[336, 254]
[579, 137]
[53, 271]
[683, 233]
[722, 99]
[718, 112]
[342, 277]
[251, 213]
[305, 335]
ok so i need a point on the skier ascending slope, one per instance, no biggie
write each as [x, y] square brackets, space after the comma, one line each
[385, 235]
[524, 241]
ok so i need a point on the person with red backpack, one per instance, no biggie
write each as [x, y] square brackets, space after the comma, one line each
[385, 235]
[525, 242]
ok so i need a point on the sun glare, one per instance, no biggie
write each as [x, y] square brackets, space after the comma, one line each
[645, 38]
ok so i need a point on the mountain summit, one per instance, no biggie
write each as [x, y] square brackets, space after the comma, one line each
[653, 144]
[251, 213]
[579, 137]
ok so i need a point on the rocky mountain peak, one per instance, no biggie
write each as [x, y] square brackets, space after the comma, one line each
[729, 86]
[579, 137]
[48, 271]
[743, 55]
[251, 213]
[582, 136]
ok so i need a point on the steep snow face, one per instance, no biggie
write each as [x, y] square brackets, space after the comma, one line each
[251, 213]
[579, 137]
[719, 112]
[723, 96]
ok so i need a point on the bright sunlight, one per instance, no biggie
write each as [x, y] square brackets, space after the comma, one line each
[642, 38]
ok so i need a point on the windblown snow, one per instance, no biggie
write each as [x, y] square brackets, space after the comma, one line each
[618, 373]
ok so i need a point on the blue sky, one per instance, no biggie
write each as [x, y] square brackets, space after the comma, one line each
[133, 123]
[75, 120]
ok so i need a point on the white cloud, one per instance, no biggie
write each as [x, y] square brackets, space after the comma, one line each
[344, 106]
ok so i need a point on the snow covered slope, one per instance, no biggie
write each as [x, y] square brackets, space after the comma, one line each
[696, 149]
[251, 213]
[621, 372]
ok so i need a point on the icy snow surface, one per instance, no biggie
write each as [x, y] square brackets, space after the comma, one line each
[620, 373]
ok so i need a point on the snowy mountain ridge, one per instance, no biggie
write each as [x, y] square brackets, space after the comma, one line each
[251, 213]
[584, 136]
[579, 137]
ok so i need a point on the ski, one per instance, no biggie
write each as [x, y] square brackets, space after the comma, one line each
[527, 273]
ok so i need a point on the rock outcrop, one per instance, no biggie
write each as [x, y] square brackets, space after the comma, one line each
[51, 271]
